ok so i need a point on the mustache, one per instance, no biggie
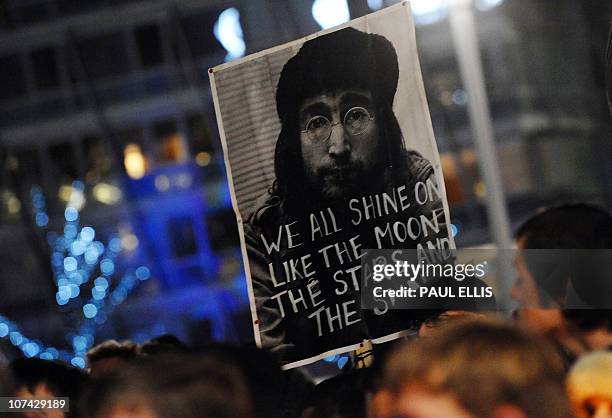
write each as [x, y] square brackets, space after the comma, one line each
[340, 168]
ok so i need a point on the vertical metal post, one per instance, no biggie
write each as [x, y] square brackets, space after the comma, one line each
[468, 55]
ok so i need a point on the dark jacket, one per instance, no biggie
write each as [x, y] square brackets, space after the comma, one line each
[295, 336]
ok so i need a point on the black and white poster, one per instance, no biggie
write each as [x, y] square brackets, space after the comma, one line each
[329, 151]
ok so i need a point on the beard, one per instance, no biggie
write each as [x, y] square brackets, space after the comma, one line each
[339, 183]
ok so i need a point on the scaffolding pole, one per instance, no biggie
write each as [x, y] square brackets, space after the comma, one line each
[463, 29]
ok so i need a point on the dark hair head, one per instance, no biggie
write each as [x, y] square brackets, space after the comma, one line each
[173, 386]
[342, 396]
[577, 238]
[126, 350]
[261, 371]
[343, 59]
[568, 226]
[7, 385]
[589, 319]
[109, 355]
[164, 344]
[60, 378]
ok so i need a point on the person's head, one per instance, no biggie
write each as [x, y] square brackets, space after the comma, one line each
[437, 323]
[37, 378]
[173, 386]
[7, 387]
[594, 327]
[342, 396]
[590, 321]
[550, 270]
[589, 385]
[256, 366]
[109, 355]
[476, 369]
[335, 103]
[164, 344]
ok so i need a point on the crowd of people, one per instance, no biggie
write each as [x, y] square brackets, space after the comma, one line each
[551, 359]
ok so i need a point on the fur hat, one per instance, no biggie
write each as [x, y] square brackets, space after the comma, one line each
[344, 59]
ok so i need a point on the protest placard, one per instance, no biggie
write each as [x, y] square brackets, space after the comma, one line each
[329, 151]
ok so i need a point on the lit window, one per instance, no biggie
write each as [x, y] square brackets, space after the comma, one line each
[135, 163]
[485, 5]
[171, 146]
[426, 12]
[329, 13]
[228, 31]
[375, 4]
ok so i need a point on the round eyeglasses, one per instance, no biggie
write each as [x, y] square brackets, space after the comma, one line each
[355, 122]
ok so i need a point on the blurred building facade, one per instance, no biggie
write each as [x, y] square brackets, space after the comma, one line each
[111, 100]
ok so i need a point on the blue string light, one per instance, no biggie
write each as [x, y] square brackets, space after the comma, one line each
[454, 230]
[75, 257]
[29, 348]
[342, 361]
